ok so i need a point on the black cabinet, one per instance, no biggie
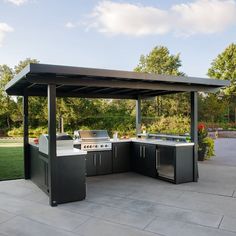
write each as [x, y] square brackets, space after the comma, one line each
[120, 157]
[136, 157]
[175, 163]
[104, 163]
[144, 159]
[91, 163]
[98, 163]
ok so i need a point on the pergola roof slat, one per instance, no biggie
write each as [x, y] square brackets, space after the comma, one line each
[79, 81]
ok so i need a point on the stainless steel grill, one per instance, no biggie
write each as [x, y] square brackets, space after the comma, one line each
[93, 140]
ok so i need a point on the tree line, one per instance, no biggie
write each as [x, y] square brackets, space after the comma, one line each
[166, 114]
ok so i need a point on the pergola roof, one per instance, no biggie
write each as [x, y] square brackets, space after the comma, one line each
[102, 83]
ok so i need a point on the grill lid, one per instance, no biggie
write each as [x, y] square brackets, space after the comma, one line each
[92, 135]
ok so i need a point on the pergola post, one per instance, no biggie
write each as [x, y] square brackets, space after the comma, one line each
[194, 132]
[52, 157]
[26, 136]
[138, 115]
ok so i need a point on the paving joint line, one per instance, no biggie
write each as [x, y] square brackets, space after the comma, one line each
[220, 222]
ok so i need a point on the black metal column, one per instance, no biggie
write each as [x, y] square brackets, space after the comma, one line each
[52, 162]
[194, 132]
[138, 115]
[26, 136]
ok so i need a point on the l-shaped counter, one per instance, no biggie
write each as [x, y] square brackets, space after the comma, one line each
[167, 160]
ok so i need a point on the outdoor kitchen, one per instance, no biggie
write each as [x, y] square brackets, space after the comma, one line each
[60, 164]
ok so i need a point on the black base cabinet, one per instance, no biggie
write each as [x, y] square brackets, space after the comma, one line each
[144, 159]
[175, 164]
[171, 163]
[70, 175]
[98, 163]
[120, 157]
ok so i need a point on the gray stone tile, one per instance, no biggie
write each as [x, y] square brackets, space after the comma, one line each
[38, 196]
[15, 189]
[54, 216]
[201, 218]
[20, 226]
[151, 208]
[157, 195]
[4, 216]
[104, 228]
[177, 228]
[91, 209]
[133, 219]
[16, 205]
[228, 223]
[112, 214]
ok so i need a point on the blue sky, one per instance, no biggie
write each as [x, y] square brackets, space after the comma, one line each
[113, 34]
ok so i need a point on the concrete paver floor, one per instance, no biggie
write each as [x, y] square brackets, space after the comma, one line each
[129, 204]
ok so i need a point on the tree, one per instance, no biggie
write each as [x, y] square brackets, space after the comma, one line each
[6, 104]
[11, 107]
[160, 61]
[224, 68]
[212, 108]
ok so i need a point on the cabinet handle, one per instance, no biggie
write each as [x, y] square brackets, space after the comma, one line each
[94, 160]
[158, 161]
[140, 151]
[144, 150]
[115, 151]
[100, 159]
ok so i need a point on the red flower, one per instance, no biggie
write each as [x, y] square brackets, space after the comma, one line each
[201, 127]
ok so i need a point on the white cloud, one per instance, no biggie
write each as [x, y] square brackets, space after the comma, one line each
[70, 25]
[17, 2]
[124, 18]
[200, 16]
[4, 29]
[205, 16]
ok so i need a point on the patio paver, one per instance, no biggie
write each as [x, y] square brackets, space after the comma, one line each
[128, 204]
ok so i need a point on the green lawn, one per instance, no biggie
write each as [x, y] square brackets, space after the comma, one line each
[11, 161]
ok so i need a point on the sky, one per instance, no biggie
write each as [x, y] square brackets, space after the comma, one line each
[113, 34]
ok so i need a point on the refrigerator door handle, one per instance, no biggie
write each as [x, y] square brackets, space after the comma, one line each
[158, 160]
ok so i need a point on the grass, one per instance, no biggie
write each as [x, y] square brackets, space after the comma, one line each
[11, 160]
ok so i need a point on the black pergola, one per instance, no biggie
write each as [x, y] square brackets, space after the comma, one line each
[65, 81]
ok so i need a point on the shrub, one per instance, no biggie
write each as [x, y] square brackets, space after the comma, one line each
[205, 143]
[169, 125]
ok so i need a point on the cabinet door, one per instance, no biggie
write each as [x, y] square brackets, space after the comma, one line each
[166, 162]
[91, 162]
[149, 157]
[104, 163]
[136, 161]
[121, 157]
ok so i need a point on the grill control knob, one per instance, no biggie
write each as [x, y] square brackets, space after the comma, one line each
[90, 146]
[96, 146]
[106, 145]
[101, 145]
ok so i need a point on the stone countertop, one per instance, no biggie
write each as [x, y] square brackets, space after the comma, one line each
[152, 141]
[70, 152]
[65, 152]
[120, 140]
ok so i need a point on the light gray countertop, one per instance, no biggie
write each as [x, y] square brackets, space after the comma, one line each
[66, 152]
[70, 152]
[153, 141]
